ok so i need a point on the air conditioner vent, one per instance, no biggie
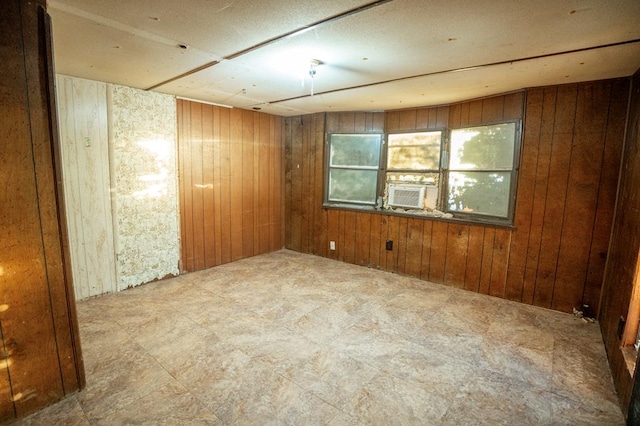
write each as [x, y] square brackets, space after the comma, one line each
[407, 196]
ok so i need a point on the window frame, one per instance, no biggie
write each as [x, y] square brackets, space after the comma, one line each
[443, 180]
[513, 184]
[328, 202]
[387, 169]
[438, 171]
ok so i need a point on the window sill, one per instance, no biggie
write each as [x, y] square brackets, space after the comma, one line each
[459, 220]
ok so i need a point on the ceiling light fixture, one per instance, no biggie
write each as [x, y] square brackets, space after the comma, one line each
[313, 67]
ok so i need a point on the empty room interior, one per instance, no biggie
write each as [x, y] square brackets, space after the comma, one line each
[342, 212]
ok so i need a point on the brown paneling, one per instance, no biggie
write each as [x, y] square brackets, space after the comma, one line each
[305, 194]
[529, 262]
[236, 128]
[290, 124]
[501, 250]
[295, 221]
[607, 194]
[526, 190]
[393, 234]
[402, 245]
[425, 266]
[319, 230]
[363, 239]
[184, 148]
[414, 247]
[473, 269]
[487, 260]
[197, 186]
[582, 194]
[41, 360]
[552, 224]
[456, 254]
[543, 140]
[32, 350]
[231, 181]
[247, 160]
[625, 241]
[376, 240]
[438, 258]
[53, 219]
[349, 237]
[492, 110]
[225, 185]
[264, 193]
[208, 172]
[216, 178]
[333, 222]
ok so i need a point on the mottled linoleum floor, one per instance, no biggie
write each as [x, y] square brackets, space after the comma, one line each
[288, 338]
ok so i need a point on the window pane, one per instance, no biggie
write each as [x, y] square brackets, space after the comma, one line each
[484, 147]
[414, 151]
[353, 185]
[479, 192]
[355, 150]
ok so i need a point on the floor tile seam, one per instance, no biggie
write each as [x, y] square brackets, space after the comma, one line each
[208, 407]
[341, 353]
[120, 368]
[283, 377]
[165, 385]
[526, 383]
[615, 406]
[408, 342]
[84, 413]
[154, 387]
[467, 365]
[314, 394]
[412, 383]
[570, 394]
[521, 384]
[467, 395]
[606, 374]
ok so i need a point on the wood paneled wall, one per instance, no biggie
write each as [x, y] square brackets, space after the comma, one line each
[625, 249]
[82, 107]
[40, 359]
[554, 255]
[231, 184]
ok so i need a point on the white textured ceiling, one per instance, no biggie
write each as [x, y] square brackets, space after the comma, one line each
[375, 54]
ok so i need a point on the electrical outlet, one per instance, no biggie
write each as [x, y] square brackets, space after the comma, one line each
[389, 245]
[332, 245]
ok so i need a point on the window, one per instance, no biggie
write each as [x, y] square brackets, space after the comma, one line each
[413, 169]
[468, 173]
[354, 162]
[481, 161]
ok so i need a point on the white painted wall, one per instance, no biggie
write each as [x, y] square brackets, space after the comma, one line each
[82, 115]
[120, 181]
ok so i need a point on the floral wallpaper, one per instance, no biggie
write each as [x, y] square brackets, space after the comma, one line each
[144, 184]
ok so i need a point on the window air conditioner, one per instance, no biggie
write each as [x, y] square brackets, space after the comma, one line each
[407, 195]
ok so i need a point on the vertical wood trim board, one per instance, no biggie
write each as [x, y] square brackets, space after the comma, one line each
[552, 257]
[231, 184]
